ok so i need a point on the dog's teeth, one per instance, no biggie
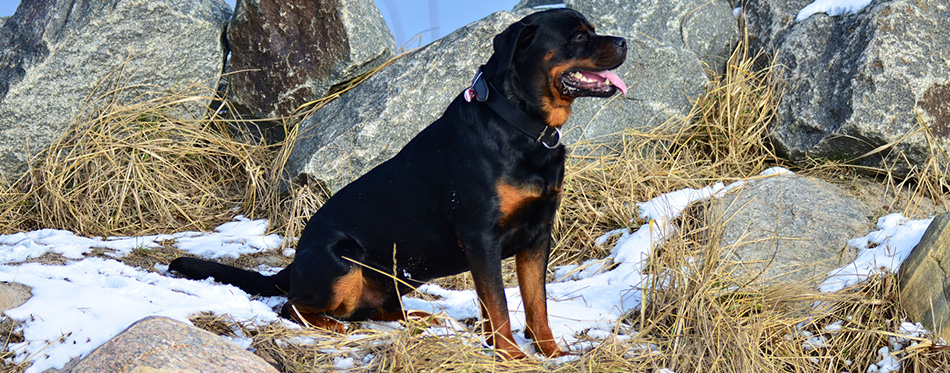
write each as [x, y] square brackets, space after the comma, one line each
[581, 77]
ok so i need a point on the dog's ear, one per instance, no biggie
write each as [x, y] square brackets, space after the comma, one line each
[507, 44]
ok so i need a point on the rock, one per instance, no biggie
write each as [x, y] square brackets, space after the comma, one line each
[924, 279]
[287, 53]
[537, 3]
[162, 344]
[790, 228]
[858, 82]
[707, 28]
[13, 294]
[671, 44]
[769, 20]
[57, 57]
[370, 123]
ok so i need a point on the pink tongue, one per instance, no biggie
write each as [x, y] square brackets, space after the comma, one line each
[612, 78]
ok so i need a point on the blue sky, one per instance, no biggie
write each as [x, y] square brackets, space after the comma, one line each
[431, 19]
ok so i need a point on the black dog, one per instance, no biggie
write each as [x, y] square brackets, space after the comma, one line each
[480, 184]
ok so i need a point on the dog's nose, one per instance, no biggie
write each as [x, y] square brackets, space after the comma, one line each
[620, 42]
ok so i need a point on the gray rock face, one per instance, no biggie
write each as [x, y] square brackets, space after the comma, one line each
[769, 20]
[670, 46]
[856, 82]
[13, 294]
[286, 53]
[924, 278]
[160, 343]
[706, 28]
[372, 122]
[57, 58]
[536, 3]
[791, 228]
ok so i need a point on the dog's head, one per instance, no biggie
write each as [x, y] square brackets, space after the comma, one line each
[549, 58]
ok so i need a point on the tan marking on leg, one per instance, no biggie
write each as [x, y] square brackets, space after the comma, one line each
[531, 275]
[405, 316]
[311, 317]
[500, 326]
[347, 292]
[486, 326]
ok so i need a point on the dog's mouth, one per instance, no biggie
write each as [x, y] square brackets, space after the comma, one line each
[579, 83]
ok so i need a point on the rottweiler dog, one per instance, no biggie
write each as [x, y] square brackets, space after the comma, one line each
[480, 184]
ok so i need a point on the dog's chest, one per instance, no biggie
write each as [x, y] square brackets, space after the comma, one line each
[525, 215]
[531, 191]
[515, 201]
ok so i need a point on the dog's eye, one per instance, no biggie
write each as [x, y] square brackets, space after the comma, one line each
[580, 37]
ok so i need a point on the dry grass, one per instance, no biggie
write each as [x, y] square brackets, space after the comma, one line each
[701, 312]
[705, 317]
[140, 168]
[145, 167]
[10, 335]
[928, 181]
[919, 193]
[407, 348]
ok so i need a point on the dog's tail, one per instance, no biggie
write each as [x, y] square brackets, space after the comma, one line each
[251, 282]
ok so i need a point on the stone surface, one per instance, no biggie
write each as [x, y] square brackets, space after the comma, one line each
[159, 343]
[706, 28]
[671, 44]
[924, 278]
[858, 82]
[285, 53]
[790, 228]
[536, 3]
[57, 57]
[370, 123]
[13, 294]
[769, 20]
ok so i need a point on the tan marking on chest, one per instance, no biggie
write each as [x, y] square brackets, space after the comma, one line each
[557, 113]
[513, 197]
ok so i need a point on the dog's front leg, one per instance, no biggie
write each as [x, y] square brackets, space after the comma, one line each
[531, 265]
[486, 272]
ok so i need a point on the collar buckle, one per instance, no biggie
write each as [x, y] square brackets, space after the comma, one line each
[550, 139]
[478, 90]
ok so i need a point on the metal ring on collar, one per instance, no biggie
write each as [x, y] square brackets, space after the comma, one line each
[543, 139]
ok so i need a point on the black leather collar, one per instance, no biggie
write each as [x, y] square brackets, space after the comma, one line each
[537, 130]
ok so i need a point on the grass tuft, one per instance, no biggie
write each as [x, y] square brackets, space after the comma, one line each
[140, 168]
